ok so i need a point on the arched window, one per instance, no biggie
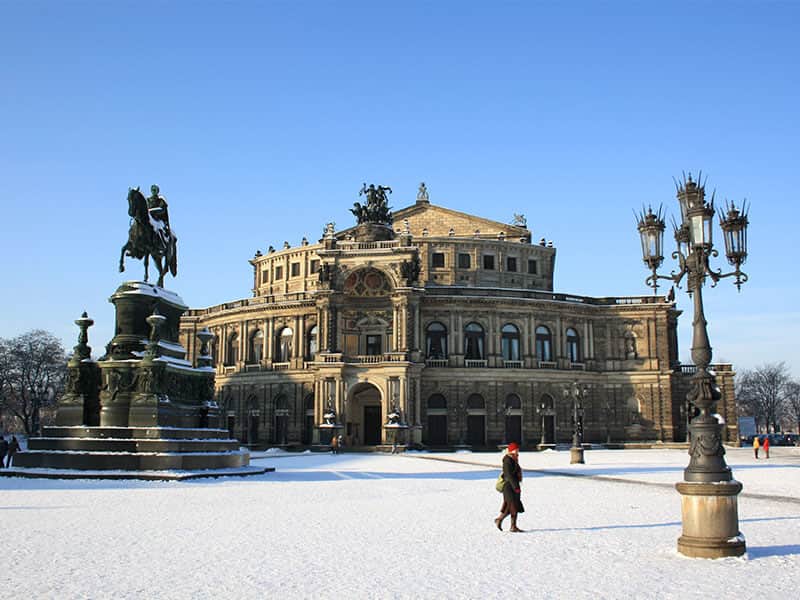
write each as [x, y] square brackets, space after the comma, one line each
[233, 349]
[544, 344]
[256, 346]
[473, 342]
[513, 402]
[312, 343]
[475, 402]
[547, 402]
[573, 346]
[436, 340]
[283, 346]
[281, 402]
[437, 401]
[309, 403]
[510, 342]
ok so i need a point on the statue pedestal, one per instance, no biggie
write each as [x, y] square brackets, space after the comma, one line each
[710, 516]
[134, 301]
[576, 456]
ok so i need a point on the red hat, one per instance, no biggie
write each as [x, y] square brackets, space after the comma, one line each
[513, 447]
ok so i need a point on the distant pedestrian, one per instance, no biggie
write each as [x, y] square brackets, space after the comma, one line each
[335, 445]
[13, 446]
[512, 481]
[766, 446]
[340, 441]
[3, 451]
[755, 446]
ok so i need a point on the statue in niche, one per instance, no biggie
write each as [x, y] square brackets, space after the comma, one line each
[630, 345]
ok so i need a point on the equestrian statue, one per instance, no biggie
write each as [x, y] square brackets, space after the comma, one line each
[150, 234]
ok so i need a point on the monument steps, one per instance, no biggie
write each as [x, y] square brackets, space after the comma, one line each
[172, 475]
[133, 449]
[85, 444]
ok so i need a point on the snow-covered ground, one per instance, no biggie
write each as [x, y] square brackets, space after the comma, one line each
[404, 526]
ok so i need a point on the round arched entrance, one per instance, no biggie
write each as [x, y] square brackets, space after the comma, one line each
[364, 415]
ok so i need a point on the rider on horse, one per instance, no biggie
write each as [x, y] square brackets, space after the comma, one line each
[157, 206]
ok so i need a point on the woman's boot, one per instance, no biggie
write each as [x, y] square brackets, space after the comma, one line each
[499, 521]
[514, 527]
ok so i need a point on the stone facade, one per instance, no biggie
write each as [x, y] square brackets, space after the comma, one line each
[449, 321]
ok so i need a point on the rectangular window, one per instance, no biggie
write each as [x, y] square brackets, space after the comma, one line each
[264, 276]
[278, 273]
[295, 269]
[488, 262]
[437, 260]
[314, 266]
[511, 264]
[532, 270]
[464, 261]
[373, 345]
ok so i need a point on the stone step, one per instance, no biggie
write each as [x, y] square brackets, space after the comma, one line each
[144, 475]
[157, 433]
[85, 444]
[135, 461]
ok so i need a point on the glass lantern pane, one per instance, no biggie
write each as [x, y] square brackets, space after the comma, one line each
[696, 230]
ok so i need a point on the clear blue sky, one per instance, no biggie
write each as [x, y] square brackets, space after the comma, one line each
[261, 120]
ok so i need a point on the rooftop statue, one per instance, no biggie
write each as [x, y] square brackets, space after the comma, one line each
[150, 234]
[376, 209]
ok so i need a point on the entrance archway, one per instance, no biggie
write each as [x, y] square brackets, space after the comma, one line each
[365, 415]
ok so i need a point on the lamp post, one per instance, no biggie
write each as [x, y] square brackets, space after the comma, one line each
[709, 492]
[543, 441]
[577, 394]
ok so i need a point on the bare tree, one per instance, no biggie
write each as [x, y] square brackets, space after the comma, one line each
[762, 393]
[793, 402]
[32, 371]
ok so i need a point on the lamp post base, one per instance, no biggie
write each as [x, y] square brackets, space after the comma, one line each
[576, 455]
[710, 516]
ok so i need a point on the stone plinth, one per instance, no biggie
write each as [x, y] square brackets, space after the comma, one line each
[710, 520]
[134, 301]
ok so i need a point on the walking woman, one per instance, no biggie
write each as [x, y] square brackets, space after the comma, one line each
[755, 445]
[512, 479]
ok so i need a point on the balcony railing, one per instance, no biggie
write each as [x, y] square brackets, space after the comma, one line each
[280, 366]
[474, 364]
[436, 362]
[512, 364]
[547, 364]
[577, 366]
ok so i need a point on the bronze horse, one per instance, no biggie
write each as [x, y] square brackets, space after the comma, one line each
[144, 239]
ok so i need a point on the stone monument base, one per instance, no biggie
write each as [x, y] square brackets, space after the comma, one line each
[132, 453]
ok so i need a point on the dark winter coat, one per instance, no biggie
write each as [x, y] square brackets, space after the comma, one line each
[512, 477]
[3, 448]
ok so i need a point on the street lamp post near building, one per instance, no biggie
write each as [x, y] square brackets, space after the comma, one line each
[577, 394]
[709, 493]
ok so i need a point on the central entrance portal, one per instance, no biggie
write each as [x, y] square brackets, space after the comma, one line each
[372, 425]
[365, 415]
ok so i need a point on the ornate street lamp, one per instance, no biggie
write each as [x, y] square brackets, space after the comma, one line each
[708, 492]
[577, 394]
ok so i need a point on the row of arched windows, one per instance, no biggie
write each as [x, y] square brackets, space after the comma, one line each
[475, 347]
[282, 349]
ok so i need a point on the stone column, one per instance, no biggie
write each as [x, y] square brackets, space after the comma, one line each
[269, 334]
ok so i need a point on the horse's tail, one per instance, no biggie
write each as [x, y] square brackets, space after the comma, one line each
[173, 259]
